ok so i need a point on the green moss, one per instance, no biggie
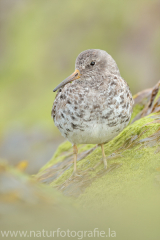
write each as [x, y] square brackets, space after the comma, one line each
[136, 110]
[157, 96]
[135, 177]
[139, 163]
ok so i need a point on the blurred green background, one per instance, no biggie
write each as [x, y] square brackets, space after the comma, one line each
[39, 42]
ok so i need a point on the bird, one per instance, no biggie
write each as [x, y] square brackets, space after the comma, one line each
[94, 104]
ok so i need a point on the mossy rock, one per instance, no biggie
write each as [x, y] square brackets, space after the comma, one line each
[133, 161]
[133, 166]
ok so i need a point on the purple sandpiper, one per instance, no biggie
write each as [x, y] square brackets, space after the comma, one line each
[94, 104]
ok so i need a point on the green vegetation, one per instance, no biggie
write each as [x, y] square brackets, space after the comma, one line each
[135, 150]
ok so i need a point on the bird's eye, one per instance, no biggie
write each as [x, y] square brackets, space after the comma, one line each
[92, 63]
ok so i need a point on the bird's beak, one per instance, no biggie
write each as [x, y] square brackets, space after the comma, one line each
[71, 78]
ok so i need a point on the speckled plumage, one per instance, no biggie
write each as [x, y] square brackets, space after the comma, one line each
[97, 106]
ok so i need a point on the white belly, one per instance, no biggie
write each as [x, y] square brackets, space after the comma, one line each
[95, 134]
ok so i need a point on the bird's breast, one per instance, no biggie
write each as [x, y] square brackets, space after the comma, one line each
[92, 113]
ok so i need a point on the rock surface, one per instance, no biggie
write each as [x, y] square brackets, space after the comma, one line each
[133, 161]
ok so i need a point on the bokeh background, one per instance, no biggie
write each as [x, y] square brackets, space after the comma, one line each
[39, 42]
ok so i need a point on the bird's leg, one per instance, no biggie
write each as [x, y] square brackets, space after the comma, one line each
[104, 156]
[75, 174]
[75, 151]
[102, 160]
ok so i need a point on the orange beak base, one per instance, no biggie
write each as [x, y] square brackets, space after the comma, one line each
[71, 78]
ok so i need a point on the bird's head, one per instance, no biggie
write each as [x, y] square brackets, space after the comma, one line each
[90, 63]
